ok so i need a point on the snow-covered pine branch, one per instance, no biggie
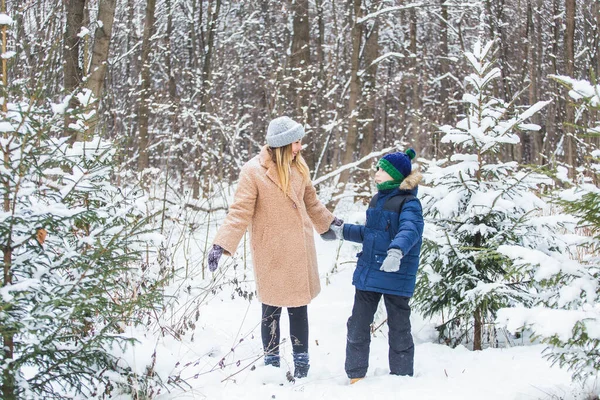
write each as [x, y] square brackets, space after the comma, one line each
[565, 313]
[474, 203]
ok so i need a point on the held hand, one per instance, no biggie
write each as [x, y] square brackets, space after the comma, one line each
[213, 257]
[337, 221]
[392, 261]
[336, 230]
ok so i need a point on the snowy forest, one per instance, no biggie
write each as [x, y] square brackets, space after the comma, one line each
[124, 125]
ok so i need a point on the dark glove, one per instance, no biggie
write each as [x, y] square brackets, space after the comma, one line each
[335, 231]
[213, 257]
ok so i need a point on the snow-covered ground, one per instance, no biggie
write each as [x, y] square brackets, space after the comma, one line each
[227, 332]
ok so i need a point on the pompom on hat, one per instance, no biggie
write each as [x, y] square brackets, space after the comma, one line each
[398, 165]
[283, 131]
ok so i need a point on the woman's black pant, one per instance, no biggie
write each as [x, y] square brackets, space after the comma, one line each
[298, 328]
[401, 351]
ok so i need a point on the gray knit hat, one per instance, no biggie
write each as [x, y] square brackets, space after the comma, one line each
[283, 131]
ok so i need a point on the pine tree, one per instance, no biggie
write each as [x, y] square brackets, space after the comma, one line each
[566, 311]
[73, 246]
[473, 204]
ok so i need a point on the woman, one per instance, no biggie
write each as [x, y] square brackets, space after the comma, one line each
[277, 202]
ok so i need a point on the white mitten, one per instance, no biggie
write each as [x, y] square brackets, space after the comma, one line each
[392, 261]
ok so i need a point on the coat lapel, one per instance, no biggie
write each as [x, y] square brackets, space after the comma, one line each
[267, 162]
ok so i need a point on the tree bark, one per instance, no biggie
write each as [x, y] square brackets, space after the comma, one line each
[369, 90]
[320, 39]
[416, 98]
[9, 384]
[444, 117]
[300, 71]
[172, 85]
[527, 141]
[554, 109]
[73, 73]
[204, 95]
[477, 330]
[71, 52]
[570, 146]
[144, 96]
[100, 52]
[352, 136]
[596, 8]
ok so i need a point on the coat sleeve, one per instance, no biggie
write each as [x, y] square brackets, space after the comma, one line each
[354, 233]
[319, 215]
[239, 215]
[410, 226]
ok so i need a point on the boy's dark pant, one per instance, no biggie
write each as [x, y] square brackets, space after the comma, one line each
[402, 349]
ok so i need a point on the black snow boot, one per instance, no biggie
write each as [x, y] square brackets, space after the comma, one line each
[272, 359]
[301, 365]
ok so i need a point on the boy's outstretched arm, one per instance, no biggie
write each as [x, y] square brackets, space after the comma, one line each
[354, 233]
[410, 226]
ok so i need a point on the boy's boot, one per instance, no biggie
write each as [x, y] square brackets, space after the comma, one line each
[272, 359]
[301, 365]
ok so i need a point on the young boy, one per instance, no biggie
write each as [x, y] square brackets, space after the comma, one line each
[387, 265]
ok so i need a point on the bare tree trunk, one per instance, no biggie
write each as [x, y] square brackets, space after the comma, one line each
[300, 71]
[320, 104]
[444, 117]
[86, 42]
[367, 111]
[416, 98]
[527, 142]
[477, 317]
[552, 128]
[540, 135]
[352, 136]
[337, 149]
[169, 64]
[596, 67]
[204, 95]
[100, 52]
[321, 39]
[300, 57]
[596, 8]
[73, 74]
[9, 385]
[71, 51]
[8, 388]
[131, 42]
[207, 67]
[4, 30]
[143, 106]
[570, 146]
[477, 330]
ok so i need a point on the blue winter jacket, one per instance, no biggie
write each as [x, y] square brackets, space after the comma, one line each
[386, 229]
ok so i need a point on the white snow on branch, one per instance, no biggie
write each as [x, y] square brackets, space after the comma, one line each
[5, 20]
[352, 165]
[83, 32]
[383, 57]
[387, 10]
[6, 127]
[8, 54]
[61, 108]
[549, 322]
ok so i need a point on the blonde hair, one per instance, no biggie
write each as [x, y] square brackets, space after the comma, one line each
[284, 160]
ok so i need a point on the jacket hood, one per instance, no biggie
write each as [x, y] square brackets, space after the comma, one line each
[412, 181]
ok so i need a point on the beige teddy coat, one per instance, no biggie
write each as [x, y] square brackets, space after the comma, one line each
[281, 232]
